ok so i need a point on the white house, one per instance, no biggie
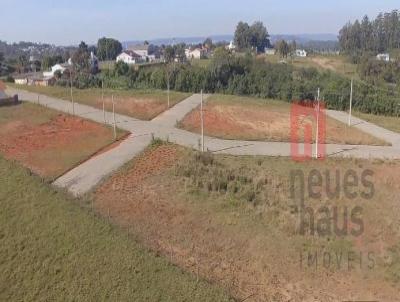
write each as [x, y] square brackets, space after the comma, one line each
[383, 57]
[270, 51]
[129, 57]
[301, 53]
[196, 53]
[58, 67]
[141, 50]
[231, 46]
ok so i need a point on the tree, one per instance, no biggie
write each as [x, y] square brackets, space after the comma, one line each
[81, 58]
[293, 48]
[169, 54]
[252, 37]
[121, 68]
[259, 36]
[1, 57]
[22, 62]
[208, 43]
[282, 48]
[242, 36]
[49, 61]
[108, 49]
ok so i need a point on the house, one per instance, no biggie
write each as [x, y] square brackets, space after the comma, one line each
[141, 50]
[383, 57]
[129, 57]
[197, 53]
[34, 79]
[231, 46]
[270, 51]
[301, 53]
[58, 67]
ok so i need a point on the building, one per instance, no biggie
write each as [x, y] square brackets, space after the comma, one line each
[196, 53]
[270, 51]
[58, 67]
[34, 79]
[383, 57]
[141, 50]
[301, 53]
[130, 57]
[231, 46]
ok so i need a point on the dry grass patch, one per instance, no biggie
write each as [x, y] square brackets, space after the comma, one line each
[231, 220]
[388, 122]
[233, 117]
[141, 104]
[49, 142]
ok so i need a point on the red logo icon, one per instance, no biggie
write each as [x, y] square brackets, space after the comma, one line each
[309, 118]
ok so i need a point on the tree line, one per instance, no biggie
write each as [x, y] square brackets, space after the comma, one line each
[251, 76]
[379, 35]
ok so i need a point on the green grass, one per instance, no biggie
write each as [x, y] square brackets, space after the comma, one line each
[153, 102]
[338, 64]
[387, 122]
[201, 63]
[54, 250]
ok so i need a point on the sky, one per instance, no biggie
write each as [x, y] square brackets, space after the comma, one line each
[65, 22]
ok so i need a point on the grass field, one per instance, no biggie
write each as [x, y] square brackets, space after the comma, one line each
[141, 104]
[339, 64]
[387, 122]
[47, 141]
[233, 221]
[54, 250]
[234, 117]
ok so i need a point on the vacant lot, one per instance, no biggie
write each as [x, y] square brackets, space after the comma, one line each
[48, 142]
[141, 104]
[54, 250]
[233, 221]
[232, 117]
[387, 122]
[338, 64]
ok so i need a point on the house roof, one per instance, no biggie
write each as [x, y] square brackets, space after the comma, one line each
[139, 47]
[131, 53]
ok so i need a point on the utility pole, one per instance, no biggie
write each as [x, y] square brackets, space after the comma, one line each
[168, 87]
[102, 99]
[202, 122]
[317, 132]
[72, 97]
[114, 121]
[351, 101]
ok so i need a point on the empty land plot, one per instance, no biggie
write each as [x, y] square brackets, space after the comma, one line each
[338, 64]
[387, 122]
[53, 249]
[233, 117]
[48, 142]
[233, 221]
[140, 104]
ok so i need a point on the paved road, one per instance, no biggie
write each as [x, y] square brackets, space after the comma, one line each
[86, 176]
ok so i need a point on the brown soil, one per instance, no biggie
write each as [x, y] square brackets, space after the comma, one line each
[253, 264]
[50, 148]
[243, 122]
[144, 109]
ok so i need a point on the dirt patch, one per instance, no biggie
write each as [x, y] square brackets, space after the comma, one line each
[52, 147]
[237, 246]
[257, 122]
[142, 108]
